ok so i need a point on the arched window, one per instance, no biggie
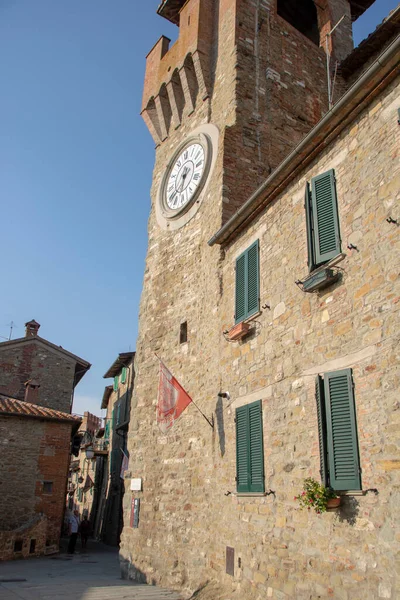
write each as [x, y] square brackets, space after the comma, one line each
[302, 15]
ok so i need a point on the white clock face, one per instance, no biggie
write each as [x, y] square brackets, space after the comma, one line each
[185, 177]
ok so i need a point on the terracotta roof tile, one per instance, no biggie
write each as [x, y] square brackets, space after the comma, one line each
[11, 406]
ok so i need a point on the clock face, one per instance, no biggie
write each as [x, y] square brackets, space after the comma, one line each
[185, 177]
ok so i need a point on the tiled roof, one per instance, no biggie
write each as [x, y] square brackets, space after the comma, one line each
[19, 408]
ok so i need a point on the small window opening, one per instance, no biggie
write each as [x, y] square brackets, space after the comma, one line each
[48, 542]
[32, 547]
[302, 15]
[18, 546]
[47, 487]
[183, 335]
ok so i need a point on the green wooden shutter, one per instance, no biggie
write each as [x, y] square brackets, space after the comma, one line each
[240, 295]
[249, 448]
[343, 458]
[247, 283]
[320, 397]
[242, 453]
[252, 280]
[310, 230]
[256, 448]
[115, 383]
[123, 375]
[325, 217]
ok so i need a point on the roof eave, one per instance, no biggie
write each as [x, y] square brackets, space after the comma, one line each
[123, 360]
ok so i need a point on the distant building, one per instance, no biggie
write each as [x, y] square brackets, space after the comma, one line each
[117, 402]
[56, 371]
[82, 475]
[33, 475]
[37, 381]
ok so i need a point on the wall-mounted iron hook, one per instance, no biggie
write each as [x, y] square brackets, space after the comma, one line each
[264, 306]
[390, 220]
[352, 247]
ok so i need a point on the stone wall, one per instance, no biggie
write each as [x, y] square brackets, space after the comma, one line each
[33, 452]
[34, 360]
[26, 541]
[189, 510]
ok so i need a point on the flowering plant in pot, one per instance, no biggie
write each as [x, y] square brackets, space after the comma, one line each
[317, 496]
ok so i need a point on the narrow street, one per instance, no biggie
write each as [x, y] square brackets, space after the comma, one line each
[92, 575]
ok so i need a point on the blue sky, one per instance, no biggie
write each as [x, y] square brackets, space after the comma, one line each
[76, 162]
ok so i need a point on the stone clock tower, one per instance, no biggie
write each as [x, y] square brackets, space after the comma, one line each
[225, 104]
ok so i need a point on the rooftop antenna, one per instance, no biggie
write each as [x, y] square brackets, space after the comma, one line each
[328, 64]
[11, 330]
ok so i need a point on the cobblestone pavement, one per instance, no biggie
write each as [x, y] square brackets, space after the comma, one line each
[92, 575]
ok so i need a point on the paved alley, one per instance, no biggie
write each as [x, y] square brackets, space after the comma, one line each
[93, 575]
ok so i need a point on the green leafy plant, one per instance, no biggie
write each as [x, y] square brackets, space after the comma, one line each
[315, 495]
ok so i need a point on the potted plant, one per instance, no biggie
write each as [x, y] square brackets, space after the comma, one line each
[317, 496]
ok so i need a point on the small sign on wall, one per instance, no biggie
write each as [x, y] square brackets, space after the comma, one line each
[136, 485]
[135, 507]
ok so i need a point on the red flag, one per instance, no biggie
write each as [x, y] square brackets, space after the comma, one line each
[172, 399]
[124, 465]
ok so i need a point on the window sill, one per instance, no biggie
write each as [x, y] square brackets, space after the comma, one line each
[249, 494]
[331, 263]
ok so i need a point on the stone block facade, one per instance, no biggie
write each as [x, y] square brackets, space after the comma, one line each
[54, 371]
[35, 460]
[190, 511]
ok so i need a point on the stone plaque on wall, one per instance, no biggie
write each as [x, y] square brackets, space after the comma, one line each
[230, 561]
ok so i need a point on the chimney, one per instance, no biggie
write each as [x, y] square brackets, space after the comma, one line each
[31, 328]
[32, 391]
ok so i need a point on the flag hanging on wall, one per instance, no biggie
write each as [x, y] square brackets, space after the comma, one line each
[172, 399]
[124, 464]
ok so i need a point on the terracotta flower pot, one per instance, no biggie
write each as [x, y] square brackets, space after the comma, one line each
[238, 331]
[333, 503]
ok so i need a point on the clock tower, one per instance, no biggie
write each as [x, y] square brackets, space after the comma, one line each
[243, 84]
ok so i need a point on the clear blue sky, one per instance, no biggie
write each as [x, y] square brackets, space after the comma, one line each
[76, 162]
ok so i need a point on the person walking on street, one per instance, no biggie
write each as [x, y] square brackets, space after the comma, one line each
[73, 528]
[84, 531]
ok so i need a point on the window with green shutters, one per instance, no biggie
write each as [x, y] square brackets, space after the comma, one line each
[247, 283]
[249, 448]
[123, 375]
[337, 431]
[323, 233]
[116, 381]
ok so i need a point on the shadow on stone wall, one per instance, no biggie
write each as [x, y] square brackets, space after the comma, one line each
[349, 510]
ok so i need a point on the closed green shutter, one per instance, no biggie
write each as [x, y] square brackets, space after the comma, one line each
[242, 454]
[325, 219]
[256, 448]
[252, 280]
[107, 430]
[343, 459]
[240, 299]
[249, 448]
[123, 375]
[247, 283]
[320, 397]
[310, 230]
[115, 383]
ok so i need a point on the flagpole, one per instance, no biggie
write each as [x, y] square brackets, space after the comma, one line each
[211, 423]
